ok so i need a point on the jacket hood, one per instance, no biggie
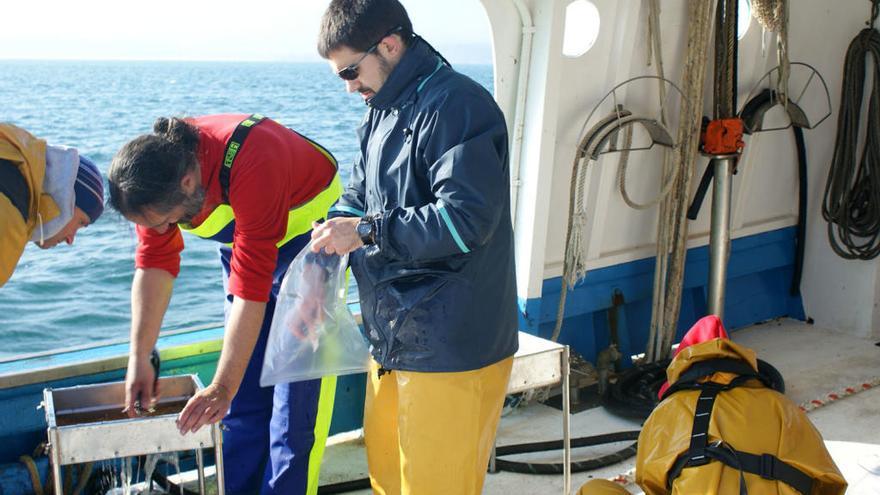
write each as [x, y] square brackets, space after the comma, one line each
[710, 349]
[28, 153]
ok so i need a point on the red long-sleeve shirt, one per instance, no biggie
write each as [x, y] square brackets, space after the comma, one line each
[275, 170]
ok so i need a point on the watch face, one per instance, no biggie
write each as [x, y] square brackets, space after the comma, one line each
[365, 231]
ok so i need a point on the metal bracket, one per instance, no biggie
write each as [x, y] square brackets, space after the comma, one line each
[797, 117]
[608, 127]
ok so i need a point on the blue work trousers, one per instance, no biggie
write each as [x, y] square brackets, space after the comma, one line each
[271, 431]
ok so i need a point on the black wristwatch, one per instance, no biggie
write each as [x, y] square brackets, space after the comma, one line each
[366, 230]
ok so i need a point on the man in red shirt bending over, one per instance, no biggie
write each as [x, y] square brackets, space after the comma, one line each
[255, 186]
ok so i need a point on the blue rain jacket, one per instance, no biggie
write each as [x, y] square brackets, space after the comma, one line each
[438, 289]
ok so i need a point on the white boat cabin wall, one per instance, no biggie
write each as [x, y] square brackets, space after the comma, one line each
[547, 97]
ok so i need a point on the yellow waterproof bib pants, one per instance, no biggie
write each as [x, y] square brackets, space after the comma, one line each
[432, 433]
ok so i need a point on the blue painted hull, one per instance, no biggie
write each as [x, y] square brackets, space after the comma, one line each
[758, 289]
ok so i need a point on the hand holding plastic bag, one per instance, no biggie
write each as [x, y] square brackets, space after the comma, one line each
[313, 333]
[308, 296]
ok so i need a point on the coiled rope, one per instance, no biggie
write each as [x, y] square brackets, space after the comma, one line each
[851, 204]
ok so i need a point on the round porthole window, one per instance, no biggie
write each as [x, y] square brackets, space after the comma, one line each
[743, 19]
[581, 28]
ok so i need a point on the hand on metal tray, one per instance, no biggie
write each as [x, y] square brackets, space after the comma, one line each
[206, 407]
[141, 387]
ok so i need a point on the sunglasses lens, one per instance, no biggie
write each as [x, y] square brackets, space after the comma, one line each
[348, 73]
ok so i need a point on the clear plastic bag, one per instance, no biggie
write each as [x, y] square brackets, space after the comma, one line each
[313, 333]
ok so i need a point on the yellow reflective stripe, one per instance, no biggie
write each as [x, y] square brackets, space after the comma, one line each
[216, 221]
[300, 219]
[322, 429]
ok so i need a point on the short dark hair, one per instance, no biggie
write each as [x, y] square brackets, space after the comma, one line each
[147, 171]
[358, 24]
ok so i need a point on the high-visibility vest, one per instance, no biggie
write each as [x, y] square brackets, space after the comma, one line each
[220, 224]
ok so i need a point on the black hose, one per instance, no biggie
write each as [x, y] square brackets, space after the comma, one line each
[801, 233]
[851, 204]
[169, 486]
[345, 486]
[635, 393]
[700, 193]
[576, 466]
[754, 110]
[532, 467]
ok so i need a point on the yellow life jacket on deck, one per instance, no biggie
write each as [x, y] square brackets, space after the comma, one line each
[220, 224]
[720, 430]
[23, 203]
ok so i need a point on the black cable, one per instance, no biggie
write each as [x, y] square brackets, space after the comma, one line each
[851, 203]
[726, 54]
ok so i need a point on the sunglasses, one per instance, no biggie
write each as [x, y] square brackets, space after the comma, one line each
[350, 72]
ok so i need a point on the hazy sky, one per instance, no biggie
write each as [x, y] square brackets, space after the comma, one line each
[213, 30]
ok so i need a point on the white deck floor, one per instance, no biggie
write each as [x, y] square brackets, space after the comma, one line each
[813, 361]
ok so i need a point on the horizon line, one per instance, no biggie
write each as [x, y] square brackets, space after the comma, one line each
[206, 60]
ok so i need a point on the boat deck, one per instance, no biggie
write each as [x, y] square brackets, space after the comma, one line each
[814, 362]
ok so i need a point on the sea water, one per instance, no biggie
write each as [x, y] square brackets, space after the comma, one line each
[80, 294]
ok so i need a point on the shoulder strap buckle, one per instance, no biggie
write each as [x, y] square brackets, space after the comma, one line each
[698, 457]
[768, 467]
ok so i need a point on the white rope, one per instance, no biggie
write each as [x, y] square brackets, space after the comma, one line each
[672, 226]
[654, 54]
[574, 264]
[661, 265]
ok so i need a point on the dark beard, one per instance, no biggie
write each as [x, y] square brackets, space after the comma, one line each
[192, 205]
[385, 69]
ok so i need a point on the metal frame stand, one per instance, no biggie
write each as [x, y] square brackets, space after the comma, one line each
[96, 440]
[55, 460]
[566, 424]
[217, 434]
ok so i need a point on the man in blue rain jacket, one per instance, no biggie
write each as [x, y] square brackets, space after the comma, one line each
[426, 218]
